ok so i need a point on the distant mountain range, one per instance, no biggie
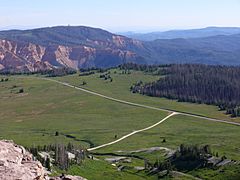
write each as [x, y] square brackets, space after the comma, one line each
[191, 33]
[82, 47]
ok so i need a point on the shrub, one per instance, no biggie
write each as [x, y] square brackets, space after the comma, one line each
[21, 90]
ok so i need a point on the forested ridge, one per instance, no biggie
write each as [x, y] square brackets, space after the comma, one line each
[216, 85]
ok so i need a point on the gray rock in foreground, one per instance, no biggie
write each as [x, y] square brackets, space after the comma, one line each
[17, 163]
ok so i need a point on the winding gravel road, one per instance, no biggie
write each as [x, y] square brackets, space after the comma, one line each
[132, 133]
[138, 105]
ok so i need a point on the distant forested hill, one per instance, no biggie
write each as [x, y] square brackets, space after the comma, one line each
[186, 34]
[215, 50]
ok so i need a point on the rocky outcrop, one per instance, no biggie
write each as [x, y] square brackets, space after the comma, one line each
[18, 56]
[72, 47]
[17, 163]
[67, 177]
[1, 67]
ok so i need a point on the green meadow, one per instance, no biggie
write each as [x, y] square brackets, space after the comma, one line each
[120, 88]
[33, 117]
[185, 130]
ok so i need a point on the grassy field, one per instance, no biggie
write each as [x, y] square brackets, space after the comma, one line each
[185, 130]
[120, 88]
[44, 108]
[95, 170]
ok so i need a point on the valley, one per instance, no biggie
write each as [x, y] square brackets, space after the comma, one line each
[120, 90]
[45, 107]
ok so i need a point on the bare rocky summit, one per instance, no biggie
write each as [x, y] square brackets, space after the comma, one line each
[18, 164]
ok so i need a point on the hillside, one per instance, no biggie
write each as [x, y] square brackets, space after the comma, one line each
[74, 47]
[83, 47]
[214, 50]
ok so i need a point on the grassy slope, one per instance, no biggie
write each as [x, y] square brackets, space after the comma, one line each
[119, 88]
[47, 107]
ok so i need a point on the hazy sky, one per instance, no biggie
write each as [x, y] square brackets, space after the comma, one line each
[120, 15]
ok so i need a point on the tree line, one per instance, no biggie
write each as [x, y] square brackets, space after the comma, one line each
[215, 85]
[49, 73]
[153, 69]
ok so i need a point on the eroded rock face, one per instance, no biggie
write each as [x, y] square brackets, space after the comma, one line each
[17, 163]
[21, 56]
[72, 47]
